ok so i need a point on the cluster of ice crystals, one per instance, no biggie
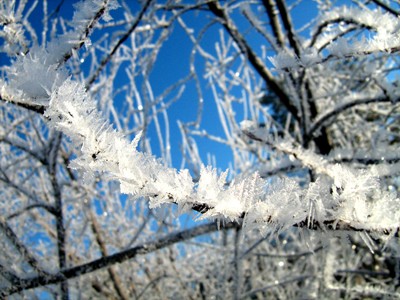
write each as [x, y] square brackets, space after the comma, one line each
[285, 59]
[104, 150]
[33, 77]
[13, 32]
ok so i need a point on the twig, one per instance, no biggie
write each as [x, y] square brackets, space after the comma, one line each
[126, 35]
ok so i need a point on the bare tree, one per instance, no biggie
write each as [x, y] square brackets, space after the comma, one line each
[308, 111]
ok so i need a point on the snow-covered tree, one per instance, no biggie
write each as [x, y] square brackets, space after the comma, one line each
[98, 199]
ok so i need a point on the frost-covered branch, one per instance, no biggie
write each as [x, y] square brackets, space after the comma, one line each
[87, 14]
[384, 38]
[121, 40]
[329, 117]
[40, 109]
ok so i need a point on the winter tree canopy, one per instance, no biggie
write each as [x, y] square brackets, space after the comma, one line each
[118, 119]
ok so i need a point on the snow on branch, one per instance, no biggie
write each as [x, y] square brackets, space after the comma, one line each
[383, 36]
[340, 198]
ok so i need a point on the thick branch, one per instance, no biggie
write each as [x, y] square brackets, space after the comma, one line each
[326, 225]
[256, 62]
[287, 23]
[272, 12]
[54, 145]
[113, 259]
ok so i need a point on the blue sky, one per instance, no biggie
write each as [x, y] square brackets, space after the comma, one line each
[174, 61]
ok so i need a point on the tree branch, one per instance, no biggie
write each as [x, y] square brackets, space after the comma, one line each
[119, 257]
[386, 7]
[270, 7]
[287, 23]
[54, 145]
[278, 283]
[15, 241]
[45, 206]
[40, 109]
[11, 277]
[118, 285]
[124, 37]
[255, 61]
[90, 25]
[330, 117]
[343, 20]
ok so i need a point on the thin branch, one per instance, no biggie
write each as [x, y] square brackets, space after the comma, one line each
[11, 277]
[45, 206]
[386, 7]
[252, 247]
[330, 117]
[251, 293]
[368, 160]
[152, 282]
[365, 273]
[291, 256]
[40, 109]
[90, 25]
[118, 285]
[124, 37]
[35, 154]
[341, 20]
[56, 11]
[279, 170]
[32, 261]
